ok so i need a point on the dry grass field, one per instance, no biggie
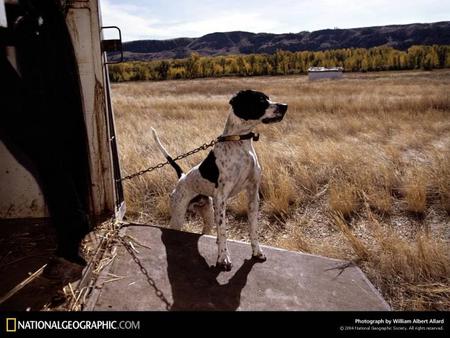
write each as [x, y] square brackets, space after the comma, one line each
[358, 170]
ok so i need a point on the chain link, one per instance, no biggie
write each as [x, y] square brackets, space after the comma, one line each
[128, 247]
[144, 271]
[162, 164]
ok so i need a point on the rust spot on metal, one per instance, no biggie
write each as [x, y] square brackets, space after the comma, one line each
[34, 206]
[102, 137]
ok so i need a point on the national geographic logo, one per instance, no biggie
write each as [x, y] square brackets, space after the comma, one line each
[14, 325]
[11, 324]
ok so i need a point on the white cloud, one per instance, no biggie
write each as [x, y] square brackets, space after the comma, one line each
[230, 22]
[133, 25]
[136, 24]
[159, 19]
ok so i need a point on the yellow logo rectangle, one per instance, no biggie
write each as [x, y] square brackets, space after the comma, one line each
[11, 325]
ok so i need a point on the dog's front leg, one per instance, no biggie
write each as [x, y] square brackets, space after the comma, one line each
[223, 259]
[253, 206]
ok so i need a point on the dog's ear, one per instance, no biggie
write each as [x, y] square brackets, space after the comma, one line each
[233, 100]
[249, 104]
[238, 98]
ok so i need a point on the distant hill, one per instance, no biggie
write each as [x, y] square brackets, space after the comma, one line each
[398, 36]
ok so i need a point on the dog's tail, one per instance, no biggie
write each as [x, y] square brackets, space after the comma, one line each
[166, 154]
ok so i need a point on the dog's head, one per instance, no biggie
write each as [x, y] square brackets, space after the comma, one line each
[256, 106]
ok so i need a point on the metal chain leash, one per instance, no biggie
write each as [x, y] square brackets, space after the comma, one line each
[144, 271]
[162, 164]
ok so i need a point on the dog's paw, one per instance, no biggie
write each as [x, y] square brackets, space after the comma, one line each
[224, 263]
[259, 257]
[224, 266]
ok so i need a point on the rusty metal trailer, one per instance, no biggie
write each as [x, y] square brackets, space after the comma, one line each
[25, 229]
[20, 196]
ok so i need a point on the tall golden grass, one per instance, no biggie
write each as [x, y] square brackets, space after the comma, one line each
[358, 170]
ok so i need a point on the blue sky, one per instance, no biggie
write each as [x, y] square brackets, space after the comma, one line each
[159, 19]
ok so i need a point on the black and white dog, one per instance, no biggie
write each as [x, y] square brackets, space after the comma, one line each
[232, 166]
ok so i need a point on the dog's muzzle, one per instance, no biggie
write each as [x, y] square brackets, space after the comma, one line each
[279, 114]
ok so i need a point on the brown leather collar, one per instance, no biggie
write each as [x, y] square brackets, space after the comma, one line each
[253, 136]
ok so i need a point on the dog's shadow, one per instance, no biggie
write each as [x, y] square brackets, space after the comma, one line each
[194, 283]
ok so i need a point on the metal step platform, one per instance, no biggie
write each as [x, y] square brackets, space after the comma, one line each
[181, 269]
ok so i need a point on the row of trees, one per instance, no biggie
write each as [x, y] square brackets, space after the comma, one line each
[284, 63]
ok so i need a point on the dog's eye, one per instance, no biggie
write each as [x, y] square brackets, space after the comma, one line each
[264, 103]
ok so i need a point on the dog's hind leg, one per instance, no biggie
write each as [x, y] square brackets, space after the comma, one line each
[206, 211]
[179, 202]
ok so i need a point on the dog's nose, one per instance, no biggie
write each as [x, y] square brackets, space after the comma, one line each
[282, 108]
